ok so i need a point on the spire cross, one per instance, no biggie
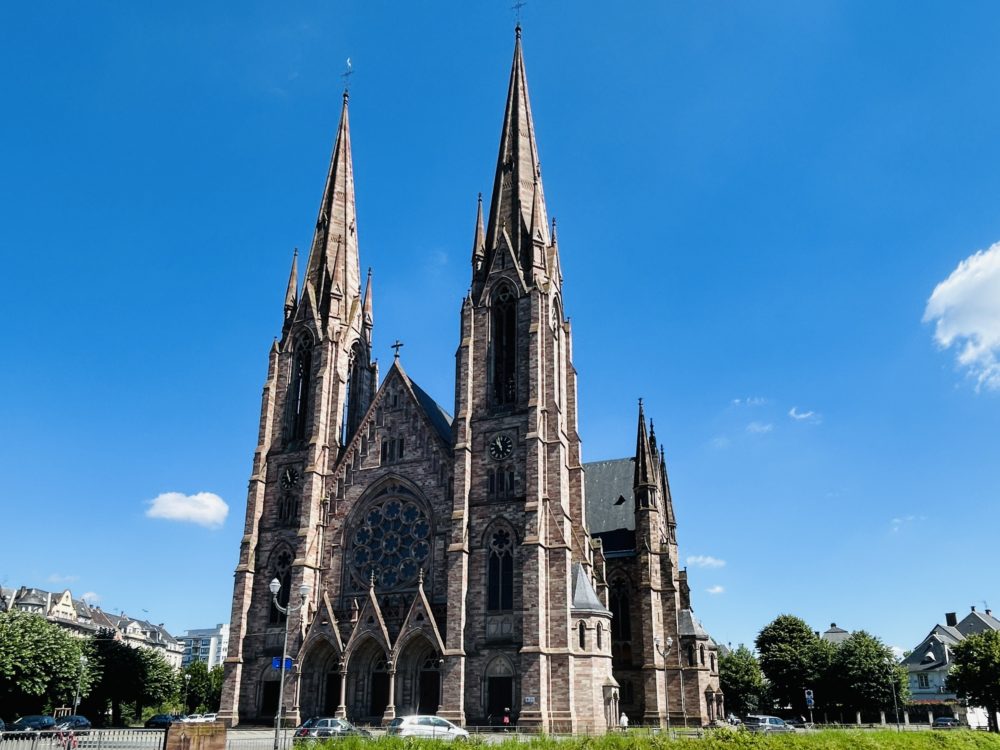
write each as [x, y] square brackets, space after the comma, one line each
[397, 346]
[516, 7]
[346, 75]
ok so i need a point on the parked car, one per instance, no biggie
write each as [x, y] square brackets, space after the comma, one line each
[945, 722]
[327, 727]
[73, 723]
[34, 723]
[2, 725]
[192, 719]
[426, 726]
[162, 721]
[209, 718]
[766, 724]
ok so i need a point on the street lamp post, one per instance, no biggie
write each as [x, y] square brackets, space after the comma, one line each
[79, 681]
[666, 678]
[892, 686]
[275, 587]
[187, 681]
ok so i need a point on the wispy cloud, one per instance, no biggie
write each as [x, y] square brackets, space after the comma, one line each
[57, 578]
[715, 590]
[750, 401]
[204, 508]
[91, 597]
[705, 561]
[901, 522]
[759, 428]
[803, 416]
[965, 309]
[720, 441]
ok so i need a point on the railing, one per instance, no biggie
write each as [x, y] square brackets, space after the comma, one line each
[87, 739]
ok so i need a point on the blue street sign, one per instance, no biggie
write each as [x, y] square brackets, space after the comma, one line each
[809, 698]
[276, 663]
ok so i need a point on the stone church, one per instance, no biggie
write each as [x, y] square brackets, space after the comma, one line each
[469, 565]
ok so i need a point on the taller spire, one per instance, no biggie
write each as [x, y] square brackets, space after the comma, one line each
[517, 186]
[292, 290]
[333, 277]
[645, 460]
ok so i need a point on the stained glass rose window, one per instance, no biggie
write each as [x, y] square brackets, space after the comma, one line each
[391, 542]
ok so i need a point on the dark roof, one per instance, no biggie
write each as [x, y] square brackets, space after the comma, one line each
[584, 597]
[438, 416]
[616, 541]
[608, 488]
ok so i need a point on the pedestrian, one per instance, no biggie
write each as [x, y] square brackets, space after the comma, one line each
[506, 720]
[623, 722]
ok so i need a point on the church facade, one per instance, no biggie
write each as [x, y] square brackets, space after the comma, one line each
[448, 563]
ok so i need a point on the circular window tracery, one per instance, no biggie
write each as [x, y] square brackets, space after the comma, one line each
[391, 543]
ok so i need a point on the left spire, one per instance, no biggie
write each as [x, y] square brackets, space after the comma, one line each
[333, 276]
[292, 290]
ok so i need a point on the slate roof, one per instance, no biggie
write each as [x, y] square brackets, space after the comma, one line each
[688, 625]
[608, 489]
[584, 597]
[435, 412]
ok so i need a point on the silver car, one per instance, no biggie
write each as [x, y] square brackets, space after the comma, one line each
[766, 724]
[433, 727]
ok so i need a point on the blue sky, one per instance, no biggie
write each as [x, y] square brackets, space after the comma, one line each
[756, 202]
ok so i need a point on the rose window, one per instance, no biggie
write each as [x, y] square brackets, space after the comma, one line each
[392, 543]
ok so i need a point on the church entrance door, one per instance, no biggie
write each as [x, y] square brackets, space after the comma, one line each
[379, 695]
[430, 691]
[332, 693]
[500, 697]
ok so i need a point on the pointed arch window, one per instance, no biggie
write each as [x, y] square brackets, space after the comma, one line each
[281, 568]
[600, 636]
[503, 336]
[500, 572]
[288, 510]
[621, 625]
[299, 386]
[582, 627]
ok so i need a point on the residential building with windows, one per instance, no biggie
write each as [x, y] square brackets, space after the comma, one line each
[208, 645]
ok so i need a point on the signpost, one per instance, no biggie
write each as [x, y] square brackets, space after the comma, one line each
[810, 702]
[276, 663]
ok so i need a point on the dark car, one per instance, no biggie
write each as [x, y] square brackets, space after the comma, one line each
[327, 727]
[73, 723]
[34, 723]
[162, 721]
[945, 722]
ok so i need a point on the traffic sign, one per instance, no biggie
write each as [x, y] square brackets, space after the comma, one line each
[809, 699]
[276, 663]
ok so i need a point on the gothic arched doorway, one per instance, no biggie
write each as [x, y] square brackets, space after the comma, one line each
[321, 679]
[499, 688]
[418, 677]
[367, 683]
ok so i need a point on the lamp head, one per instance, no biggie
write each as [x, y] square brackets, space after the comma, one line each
[670, 642]
[304, 591]
[274, 586]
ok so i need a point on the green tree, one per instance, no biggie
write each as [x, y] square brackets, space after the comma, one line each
[39, 664]
[215, 677]
[199, 687]
[794, 658]
[121, 676]
[975, 672]
[742, 681]
[159, 680]
[865, 674]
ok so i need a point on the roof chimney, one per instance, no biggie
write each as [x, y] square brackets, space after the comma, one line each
[951, 619]
[973, 607]
[833, 624]
[989, 612]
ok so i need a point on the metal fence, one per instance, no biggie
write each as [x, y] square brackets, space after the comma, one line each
[92, 739]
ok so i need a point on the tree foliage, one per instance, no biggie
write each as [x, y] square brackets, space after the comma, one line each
[975, 674]
[742, 682]
[865, 673]
[39, 664]
[794, 658]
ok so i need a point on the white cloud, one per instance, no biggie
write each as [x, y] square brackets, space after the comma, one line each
[759, 428]
[705, 561]
[803, 416]
[750, 401]
[91, 597]
[204, 508]
[896, 524]
[716, 590]
[897, 651]
[965, 309]
[720, 441]
[57, 578]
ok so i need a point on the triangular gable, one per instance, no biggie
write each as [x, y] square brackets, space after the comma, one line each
[510, 265]
[370, 623]
[420, 619]
[325, 627]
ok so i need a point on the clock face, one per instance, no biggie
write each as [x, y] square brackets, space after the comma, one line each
[289, 478]
[501, 446]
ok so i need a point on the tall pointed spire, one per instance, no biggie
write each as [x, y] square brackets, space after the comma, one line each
[333, 276]
[367, 318]
[479, 240]
[292, 290]
[644, 467]
[668, 499]
[517, 186]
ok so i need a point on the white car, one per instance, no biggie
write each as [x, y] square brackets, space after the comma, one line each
[433, 727]
[191, 719]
